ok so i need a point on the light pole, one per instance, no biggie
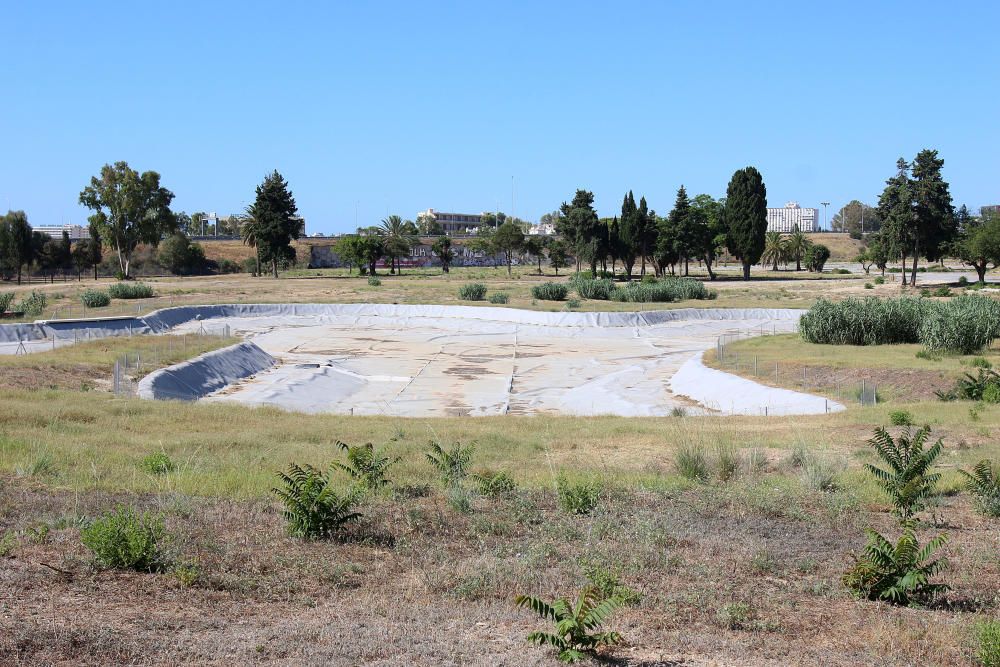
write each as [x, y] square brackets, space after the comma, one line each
[825, 220]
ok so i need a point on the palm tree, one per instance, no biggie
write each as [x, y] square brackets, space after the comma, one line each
[250, 232]
[775, 249]
[797, 243]
[399, 237]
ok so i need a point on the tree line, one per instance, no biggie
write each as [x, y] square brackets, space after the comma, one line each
[696, 229]
[22, 247]
[132, 208]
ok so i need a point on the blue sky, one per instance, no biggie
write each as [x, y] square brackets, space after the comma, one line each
[370, 108]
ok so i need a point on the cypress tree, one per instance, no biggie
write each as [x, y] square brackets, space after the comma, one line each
[745, 215]
[629, 234]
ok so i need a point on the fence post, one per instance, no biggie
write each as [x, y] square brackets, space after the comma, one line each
[862, 391]
[755, 365]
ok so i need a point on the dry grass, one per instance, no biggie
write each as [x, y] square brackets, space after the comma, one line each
[788, 361]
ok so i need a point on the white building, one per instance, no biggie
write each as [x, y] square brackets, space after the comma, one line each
[76, 232]
[792, 215]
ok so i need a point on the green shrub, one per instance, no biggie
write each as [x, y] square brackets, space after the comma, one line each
[907, 478]
[897, 573]
[841, 272]
[988, 643]
[879, 280]
[608, 583]
[578, 497]
[595, 289]
[158, 463]
[130, 290]
[575, 624]
[942, 291]
[93, 298]
[980, 362]
[5, 300]
[869, 286]
[573, 304]
[549, 292]
[366, 466]
[972, 387]
[984, 484]
[665, 290]
[452, 464]
[963, 281]
[32, 305]
[228, 266]
[900, 418]
[692, 464]
[126, 539]
[374, 281]
[312, 507]
[472, 292]
[499, 297]
[495, 484]
[991, 393]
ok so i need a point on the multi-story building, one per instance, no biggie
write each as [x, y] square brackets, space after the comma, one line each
[453, 223]
[990, 210]
[792, 217]
[76, 232]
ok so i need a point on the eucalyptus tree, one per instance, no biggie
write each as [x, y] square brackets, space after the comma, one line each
[129, 208]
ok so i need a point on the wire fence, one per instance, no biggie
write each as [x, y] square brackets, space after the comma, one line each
[133, 366]
[863, 391]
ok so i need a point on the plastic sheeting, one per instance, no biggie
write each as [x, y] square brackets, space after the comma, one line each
[430, 360]
[733, 395]
[206, 373]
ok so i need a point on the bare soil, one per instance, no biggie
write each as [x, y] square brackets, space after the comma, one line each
[735, 574]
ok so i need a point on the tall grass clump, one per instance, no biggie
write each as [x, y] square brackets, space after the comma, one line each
[472, 292]
[32, 305]
[663, 291]
[125, 290]
[867, 321]
[5, 300]
[499, 298]
[965, 324]
[692, 464]
[550, 292]
[95, 298]
[597, 288]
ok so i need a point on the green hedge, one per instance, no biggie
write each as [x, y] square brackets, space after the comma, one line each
[663, 291]
[94, 298]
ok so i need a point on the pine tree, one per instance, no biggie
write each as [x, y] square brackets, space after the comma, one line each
[275, 221]
[683, 225]
[895, 207]
[745, 215]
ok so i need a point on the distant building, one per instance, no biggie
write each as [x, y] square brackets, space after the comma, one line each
[76, 232]
[990, 210]
[543, 229]
[792, 215]
[453, 223]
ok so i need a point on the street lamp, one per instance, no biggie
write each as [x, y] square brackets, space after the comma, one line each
[825, 220]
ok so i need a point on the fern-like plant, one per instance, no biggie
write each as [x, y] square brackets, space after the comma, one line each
[366, 465]
[313, 508]
[907, 478]
[898, 573]
[452, 464]
[984, 483]
[575, 632]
